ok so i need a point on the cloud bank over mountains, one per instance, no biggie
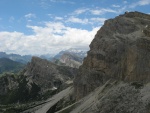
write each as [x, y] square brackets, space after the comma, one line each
[51, 38]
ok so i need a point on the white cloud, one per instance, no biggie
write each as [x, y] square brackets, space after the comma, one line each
[88, 21]
[102, 11]
[51, 38]
[94, 11]
[140, 3]
[10, 41]
[51, 16]
[116, 6]
[63, 1]
[80, 11]
[144, 2]
[122, 9]
[30, 15]
[98, 20]
[78, 20]
[58, 18]
[29, 20]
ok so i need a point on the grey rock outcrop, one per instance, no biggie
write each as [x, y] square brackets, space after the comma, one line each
[71, 60]
[7, 83]
[80, 52]
[114, 97]
[120, 51]
[38, 81]
[47, 75]
[71, 57]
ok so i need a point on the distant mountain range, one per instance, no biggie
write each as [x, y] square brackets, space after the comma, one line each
[72, 57]
[27, 58]
[7, 65]
[15, 57]
[78, 52]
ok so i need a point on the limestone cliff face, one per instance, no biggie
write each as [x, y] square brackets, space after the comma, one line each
[48, 75]
[120, 50]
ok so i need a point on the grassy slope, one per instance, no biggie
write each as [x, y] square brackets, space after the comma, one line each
[7, 65]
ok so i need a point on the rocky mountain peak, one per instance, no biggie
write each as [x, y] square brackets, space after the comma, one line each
[120, 50]
[48, 75]
[71, 60]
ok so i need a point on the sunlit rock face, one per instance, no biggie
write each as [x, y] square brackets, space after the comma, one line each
[120, 51]
[71, 60]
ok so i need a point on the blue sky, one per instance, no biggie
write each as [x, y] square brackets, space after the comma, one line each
[48, 26]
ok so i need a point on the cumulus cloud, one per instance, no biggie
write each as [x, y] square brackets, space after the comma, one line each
[58, 18]
[62, 1]
[94, 11]
[144, 2]
[78, 20]
[90, 21]
[80, 11]
[102, 11]
[140, 3]
[98, 20]
[51, 38]
[30, 15]
[116, 6]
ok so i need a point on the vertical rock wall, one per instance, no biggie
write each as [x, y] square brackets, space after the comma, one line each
[120, 50]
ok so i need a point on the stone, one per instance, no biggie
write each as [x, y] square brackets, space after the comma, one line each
[120, 51]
